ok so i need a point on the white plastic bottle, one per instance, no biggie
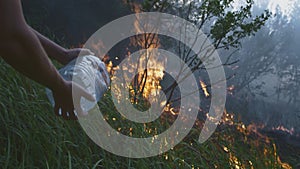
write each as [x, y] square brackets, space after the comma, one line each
[90, 73]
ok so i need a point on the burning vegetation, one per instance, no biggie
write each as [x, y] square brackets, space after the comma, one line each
[239, 146]
[233, 145]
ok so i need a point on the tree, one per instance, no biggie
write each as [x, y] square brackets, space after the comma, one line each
[222, 24]
[267, 76]
[273, 53]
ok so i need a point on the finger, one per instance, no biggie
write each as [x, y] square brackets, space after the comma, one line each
[65, 115]
[57, 110]
[72, 116]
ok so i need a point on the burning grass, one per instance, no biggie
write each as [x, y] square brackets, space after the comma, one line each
[33, 137]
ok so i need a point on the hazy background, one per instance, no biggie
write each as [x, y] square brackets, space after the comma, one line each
[266, 83]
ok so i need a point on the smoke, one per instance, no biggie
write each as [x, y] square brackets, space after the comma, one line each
[286, 7]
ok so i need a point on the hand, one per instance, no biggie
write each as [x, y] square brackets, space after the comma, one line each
[64, 105]
[71, 54]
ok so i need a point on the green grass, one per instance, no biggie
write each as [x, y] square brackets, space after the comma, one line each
[31, 136]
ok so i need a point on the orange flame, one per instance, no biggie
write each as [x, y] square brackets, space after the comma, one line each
[204, 88]
[284, 129]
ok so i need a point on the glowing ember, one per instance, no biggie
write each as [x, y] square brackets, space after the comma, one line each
[234, 162]
[109, 66]
[226, 149]
[282, 128]
[230, 89]
[204, 88]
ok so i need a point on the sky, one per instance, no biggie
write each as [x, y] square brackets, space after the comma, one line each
[287, 7]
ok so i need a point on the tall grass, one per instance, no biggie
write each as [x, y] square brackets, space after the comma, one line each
[31, 136]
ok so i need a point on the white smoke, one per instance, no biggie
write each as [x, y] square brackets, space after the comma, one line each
[286, 7]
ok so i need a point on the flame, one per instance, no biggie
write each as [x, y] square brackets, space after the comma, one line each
[204, 88]
[135, 7]
[234, 162]
[283, 165]
[225, 149]
[109, 66]
[230, 89]
[284, 129]
[228, 119]
[146, 83]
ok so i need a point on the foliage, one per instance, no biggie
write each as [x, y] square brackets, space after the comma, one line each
[223, 24]
[32, 137]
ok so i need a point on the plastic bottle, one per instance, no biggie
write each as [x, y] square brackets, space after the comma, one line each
[90, 73]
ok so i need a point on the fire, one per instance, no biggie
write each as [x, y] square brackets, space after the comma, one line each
[230, 89]
[283, 165]
[204, 88]
[135, 7]
[149, 79]
[228, 118]
[284, 129]
[225, 149]
[147, 82]
[109, 67]
[234, 162]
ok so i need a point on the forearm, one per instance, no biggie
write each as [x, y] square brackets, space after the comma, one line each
[23, 51]
[52, 49]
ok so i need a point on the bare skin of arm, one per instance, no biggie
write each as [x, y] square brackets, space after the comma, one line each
[59, 53]
[21, 48]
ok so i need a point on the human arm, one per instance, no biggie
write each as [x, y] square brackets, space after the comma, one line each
[59, 53]
[20, 47]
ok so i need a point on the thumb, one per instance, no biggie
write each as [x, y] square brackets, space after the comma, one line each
[81, 92]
